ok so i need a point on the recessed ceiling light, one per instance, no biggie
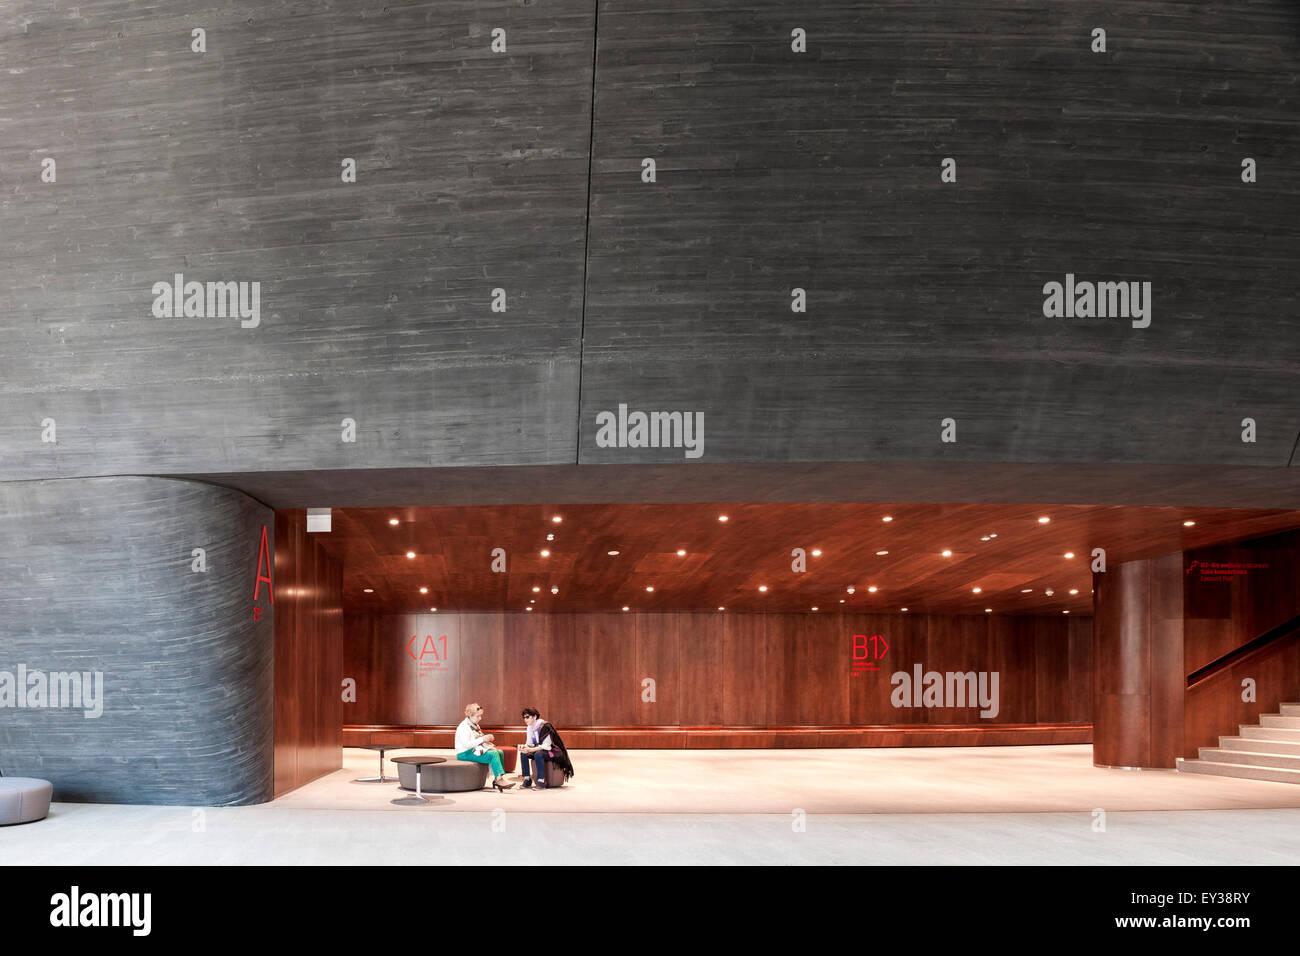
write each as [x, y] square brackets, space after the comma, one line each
[878, 553]
[1188, 524]
[1044, 520]
[556, 518]
[545, 553]
[992, 535]
[814, 608]
[611, 553]
[817, 552]
[873, 589]
[1049, 592]
[977, 590]
[651, 588]
[850, 590]
[887, 518]
[902, 609]
[762, 587]
[681, 553]
[532, 600]
[626, 608]
[424, 590]
[1065, 612]
[392, 521]
[410, 554]
[528, 609]
[841, 600]
[1026, 590]
[946, 554]
[1074, 590]
[555, 590]
[722, 517]
[985, 538]
[550, 537]
[536, 589]
[988, 610]
[433, 609]
[1069, 554]
[369, 590]
[721, 608]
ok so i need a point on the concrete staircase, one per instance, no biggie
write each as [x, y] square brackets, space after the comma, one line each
[1267, 751]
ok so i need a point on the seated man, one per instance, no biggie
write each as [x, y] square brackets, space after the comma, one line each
[542, 743]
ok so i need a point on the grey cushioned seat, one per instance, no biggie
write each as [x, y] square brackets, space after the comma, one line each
[24, 799]
[454, 776]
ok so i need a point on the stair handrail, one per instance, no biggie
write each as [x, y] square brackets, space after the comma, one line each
[1240, 653]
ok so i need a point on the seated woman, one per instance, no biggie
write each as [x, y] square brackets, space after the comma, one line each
[472, 744]
[543, 744]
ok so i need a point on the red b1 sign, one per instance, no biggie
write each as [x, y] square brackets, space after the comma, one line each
[867, 652]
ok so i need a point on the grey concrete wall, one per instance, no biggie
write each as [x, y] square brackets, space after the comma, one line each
[480, 170]
[821, 171]
[226, 166]
[95, 576]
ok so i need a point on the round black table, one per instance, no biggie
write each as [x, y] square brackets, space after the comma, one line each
[381, 778]
[419, 760]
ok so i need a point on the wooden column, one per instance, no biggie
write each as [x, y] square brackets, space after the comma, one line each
[1138, 681]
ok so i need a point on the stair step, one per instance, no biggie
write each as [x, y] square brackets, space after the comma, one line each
[1268, 733]
[1260, 745]
[1256, 758]
[1213, 768]
[1279, 720]
[1290, 709]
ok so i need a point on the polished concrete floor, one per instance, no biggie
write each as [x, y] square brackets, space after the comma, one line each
[866, 780]
[1005, 805]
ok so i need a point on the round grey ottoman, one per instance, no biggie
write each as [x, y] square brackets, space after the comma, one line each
[454, 776]
[24, 799]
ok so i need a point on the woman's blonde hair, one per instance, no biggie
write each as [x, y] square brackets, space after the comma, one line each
[472, 709]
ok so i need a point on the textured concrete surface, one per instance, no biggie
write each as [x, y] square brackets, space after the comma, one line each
[521, 170]
[95, 577]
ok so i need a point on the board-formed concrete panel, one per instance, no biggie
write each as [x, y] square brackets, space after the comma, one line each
[377, 299]
[501, 156]
[783, 175]
[97, 577]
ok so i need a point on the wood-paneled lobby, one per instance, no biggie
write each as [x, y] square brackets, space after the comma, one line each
[783, 626]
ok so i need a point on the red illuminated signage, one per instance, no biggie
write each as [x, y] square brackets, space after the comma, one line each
[867, 652]
[263, 554]
[429, 657]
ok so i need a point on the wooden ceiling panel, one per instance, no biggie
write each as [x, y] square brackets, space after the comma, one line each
[1003, 549]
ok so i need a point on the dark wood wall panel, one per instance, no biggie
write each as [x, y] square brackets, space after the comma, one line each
[1232, 596]
[701, 669]
[716, 670]
[308, 655]
[615, 678]
[483, 662]
[96, 576]
[745, 671]
[656, 638]
[1258, 590]
[1081, 662]
[1053, 699]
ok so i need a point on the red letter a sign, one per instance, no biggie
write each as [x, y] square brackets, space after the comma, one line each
[263, 552]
